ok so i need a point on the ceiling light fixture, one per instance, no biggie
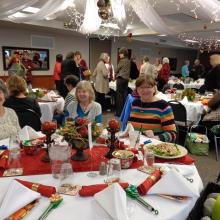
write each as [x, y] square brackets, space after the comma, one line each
[31, 10]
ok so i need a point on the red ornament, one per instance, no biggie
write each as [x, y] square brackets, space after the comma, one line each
[113, 124]
[83, 132]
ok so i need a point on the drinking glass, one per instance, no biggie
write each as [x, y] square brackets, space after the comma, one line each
[113, 170]
[66, 173]
[58, 154]
[149, 157]
[14, 164]
[133, 138]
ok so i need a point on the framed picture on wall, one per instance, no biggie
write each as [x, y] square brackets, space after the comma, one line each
[38, 58]
[129, 54]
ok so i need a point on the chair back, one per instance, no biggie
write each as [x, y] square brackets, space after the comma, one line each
[29, 117]
[179, 112]
[178, 86]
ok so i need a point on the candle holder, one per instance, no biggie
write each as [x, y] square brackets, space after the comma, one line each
[48, 128]
[113, 127]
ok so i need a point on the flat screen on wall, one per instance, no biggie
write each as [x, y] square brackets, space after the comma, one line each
[38, 58]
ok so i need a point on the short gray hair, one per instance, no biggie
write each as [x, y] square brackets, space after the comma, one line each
[166, 60]
[3, 88]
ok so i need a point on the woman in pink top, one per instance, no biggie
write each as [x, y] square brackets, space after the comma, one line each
[57, 71]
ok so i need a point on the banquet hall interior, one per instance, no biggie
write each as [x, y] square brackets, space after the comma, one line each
[112, 106]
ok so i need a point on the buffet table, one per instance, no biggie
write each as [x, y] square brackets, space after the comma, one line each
[74, 206]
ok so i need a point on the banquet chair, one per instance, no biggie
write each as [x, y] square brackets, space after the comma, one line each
[216, 133]
[180, 117]
[30, 118]
[166, 86]
[178, 86]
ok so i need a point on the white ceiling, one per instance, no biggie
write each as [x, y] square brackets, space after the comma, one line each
[179, 20]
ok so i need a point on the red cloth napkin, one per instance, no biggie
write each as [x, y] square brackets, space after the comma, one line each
[183, 160]
[42, 189]
[150, 181]
[93, 189]
[4, 159]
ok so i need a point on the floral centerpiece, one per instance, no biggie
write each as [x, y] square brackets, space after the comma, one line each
[190, 94]
[39, 93]
[76, 133]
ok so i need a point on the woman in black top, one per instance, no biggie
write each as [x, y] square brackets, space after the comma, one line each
[27, 109]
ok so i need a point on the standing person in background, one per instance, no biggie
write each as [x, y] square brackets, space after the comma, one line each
[146, 67]
[26, 61]
[82, 65]
[101, 80]
[164, 73]
[57, 72]
[185, 69]
[68, 67]
[157, 67]
[134, 73]
[198, 70]
[122, 74]
[110, 68]
[212, 79]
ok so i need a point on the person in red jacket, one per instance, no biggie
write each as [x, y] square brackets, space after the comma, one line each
[164, 74]
[57, 72]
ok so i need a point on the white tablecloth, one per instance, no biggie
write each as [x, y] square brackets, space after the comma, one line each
[48, 108]
[196, 85]
[112, 85]
[194, 110]
[87, 209]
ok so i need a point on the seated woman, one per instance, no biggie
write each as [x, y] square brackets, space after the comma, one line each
[85, 106]
[150, 114]
[70, 83]
[8, 119]
[27, 109]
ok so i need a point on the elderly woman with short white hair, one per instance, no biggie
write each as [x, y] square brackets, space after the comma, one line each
[85, 106]
[9, 124]
[101, 81]
[164, 73]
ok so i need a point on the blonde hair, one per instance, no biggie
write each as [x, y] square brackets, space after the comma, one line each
[215, 59]
[16, 85]
[85, 85]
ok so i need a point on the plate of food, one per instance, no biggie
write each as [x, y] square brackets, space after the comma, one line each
[168, 150]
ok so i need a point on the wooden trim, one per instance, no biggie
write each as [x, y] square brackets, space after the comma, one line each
[39, 81]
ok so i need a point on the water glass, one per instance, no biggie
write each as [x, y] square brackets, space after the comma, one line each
[59, 154]
[149, 157]
[66, 173]
[133, 138]
[14, 154]
[113, 170]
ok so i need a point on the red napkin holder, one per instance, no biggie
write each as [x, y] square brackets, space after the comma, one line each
[42, 189]
[144, 187]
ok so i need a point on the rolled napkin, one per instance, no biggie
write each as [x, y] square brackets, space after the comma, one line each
[4, 159]
[42, 189]
[93, 189]
[149, 182]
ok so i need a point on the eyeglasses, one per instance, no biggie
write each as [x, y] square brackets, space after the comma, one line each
[145, 87]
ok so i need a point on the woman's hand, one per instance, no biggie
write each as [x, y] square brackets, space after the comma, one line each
[150, 134]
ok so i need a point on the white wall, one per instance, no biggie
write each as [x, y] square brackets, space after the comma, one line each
[21, 37]
[63, 44]
[140, 49]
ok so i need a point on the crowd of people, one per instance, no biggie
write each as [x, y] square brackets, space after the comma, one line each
[85, 92]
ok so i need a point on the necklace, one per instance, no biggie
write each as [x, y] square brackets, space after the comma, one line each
[85, 108]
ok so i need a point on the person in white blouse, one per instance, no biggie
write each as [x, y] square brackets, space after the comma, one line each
[110, 68]
[146, 67]
[9, 124]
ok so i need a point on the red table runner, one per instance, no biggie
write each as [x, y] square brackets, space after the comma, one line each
[32, 165]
